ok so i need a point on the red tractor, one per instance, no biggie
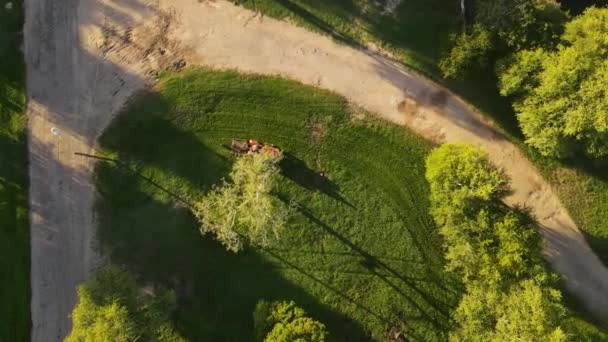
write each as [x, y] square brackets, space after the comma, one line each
[251, 146]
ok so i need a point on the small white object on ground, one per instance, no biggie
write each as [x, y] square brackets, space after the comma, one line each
[390, 6]
[8, 6]
[55, 131]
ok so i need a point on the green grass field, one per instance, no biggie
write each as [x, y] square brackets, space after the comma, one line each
[360, 254]
[418, 34]
[14, 230]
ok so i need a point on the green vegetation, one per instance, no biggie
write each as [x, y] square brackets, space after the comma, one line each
[245, 208]
[14, 231]
[360, 253]
[469, 49]
[111, 307]
[418, 33]
[495, 250]
[284, 322]
[561, 100]
[503, 26]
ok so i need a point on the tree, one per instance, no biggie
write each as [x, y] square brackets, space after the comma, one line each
[285, 322]
[245, 208]
[504, 26]
[520, 24]
[461, 177]
[112, 308]
[529, 311]
[474, 316]
[560, 95]
[495, 251]
[468, 49]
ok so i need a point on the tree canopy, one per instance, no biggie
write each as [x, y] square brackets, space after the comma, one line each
[496, 252]
[111, 307]
[285, 322]
[528, 311]
[468, 48]
[245, 207]
[560, 95]
[461, 176]
[507, 25]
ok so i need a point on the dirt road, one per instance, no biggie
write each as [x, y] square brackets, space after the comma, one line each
[77, 77]
[86, 57]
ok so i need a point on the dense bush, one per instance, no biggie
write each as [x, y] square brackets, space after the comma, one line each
[245, 208]
[285, 322]
[111, 307]
[560, 95]
[503, 25]
[496, 252]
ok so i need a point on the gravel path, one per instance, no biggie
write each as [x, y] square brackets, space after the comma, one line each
[76, 80]
[86, 57]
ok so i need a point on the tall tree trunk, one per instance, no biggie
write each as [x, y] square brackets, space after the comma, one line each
[463, 12]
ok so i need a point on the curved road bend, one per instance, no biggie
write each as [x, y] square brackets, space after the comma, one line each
[78, 76]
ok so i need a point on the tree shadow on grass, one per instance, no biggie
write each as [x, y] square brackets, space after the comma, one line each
[217, 290]
[144, 135]
[318, 23]
[296, 170]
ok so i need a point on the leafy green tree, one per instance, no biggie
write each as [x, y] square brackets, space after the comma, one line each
[522, 24]
[529, 311]
[468, 49]
[112, 308]
[245, 208]
[559, 95]
[482, 240]
[285, 322]
[503, 25]
[461, 176]
[475, 315]
[518, 73]
[495, 251]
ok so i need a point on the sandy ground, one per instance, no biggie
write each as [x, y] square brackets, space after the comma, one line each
[79, 72]
[86, 57]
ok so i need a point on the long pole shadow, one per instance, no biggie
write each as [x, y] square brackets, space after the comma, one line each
[373, 264]
[137, 174]
[328, 286]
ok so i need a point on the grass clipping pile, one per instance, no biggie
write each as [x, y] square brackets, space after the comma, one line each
[245, 208]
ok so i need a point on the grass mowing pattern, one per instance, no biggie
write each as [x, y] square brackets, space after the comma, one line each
[418, 33]
[14, 230]
[361, 253]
